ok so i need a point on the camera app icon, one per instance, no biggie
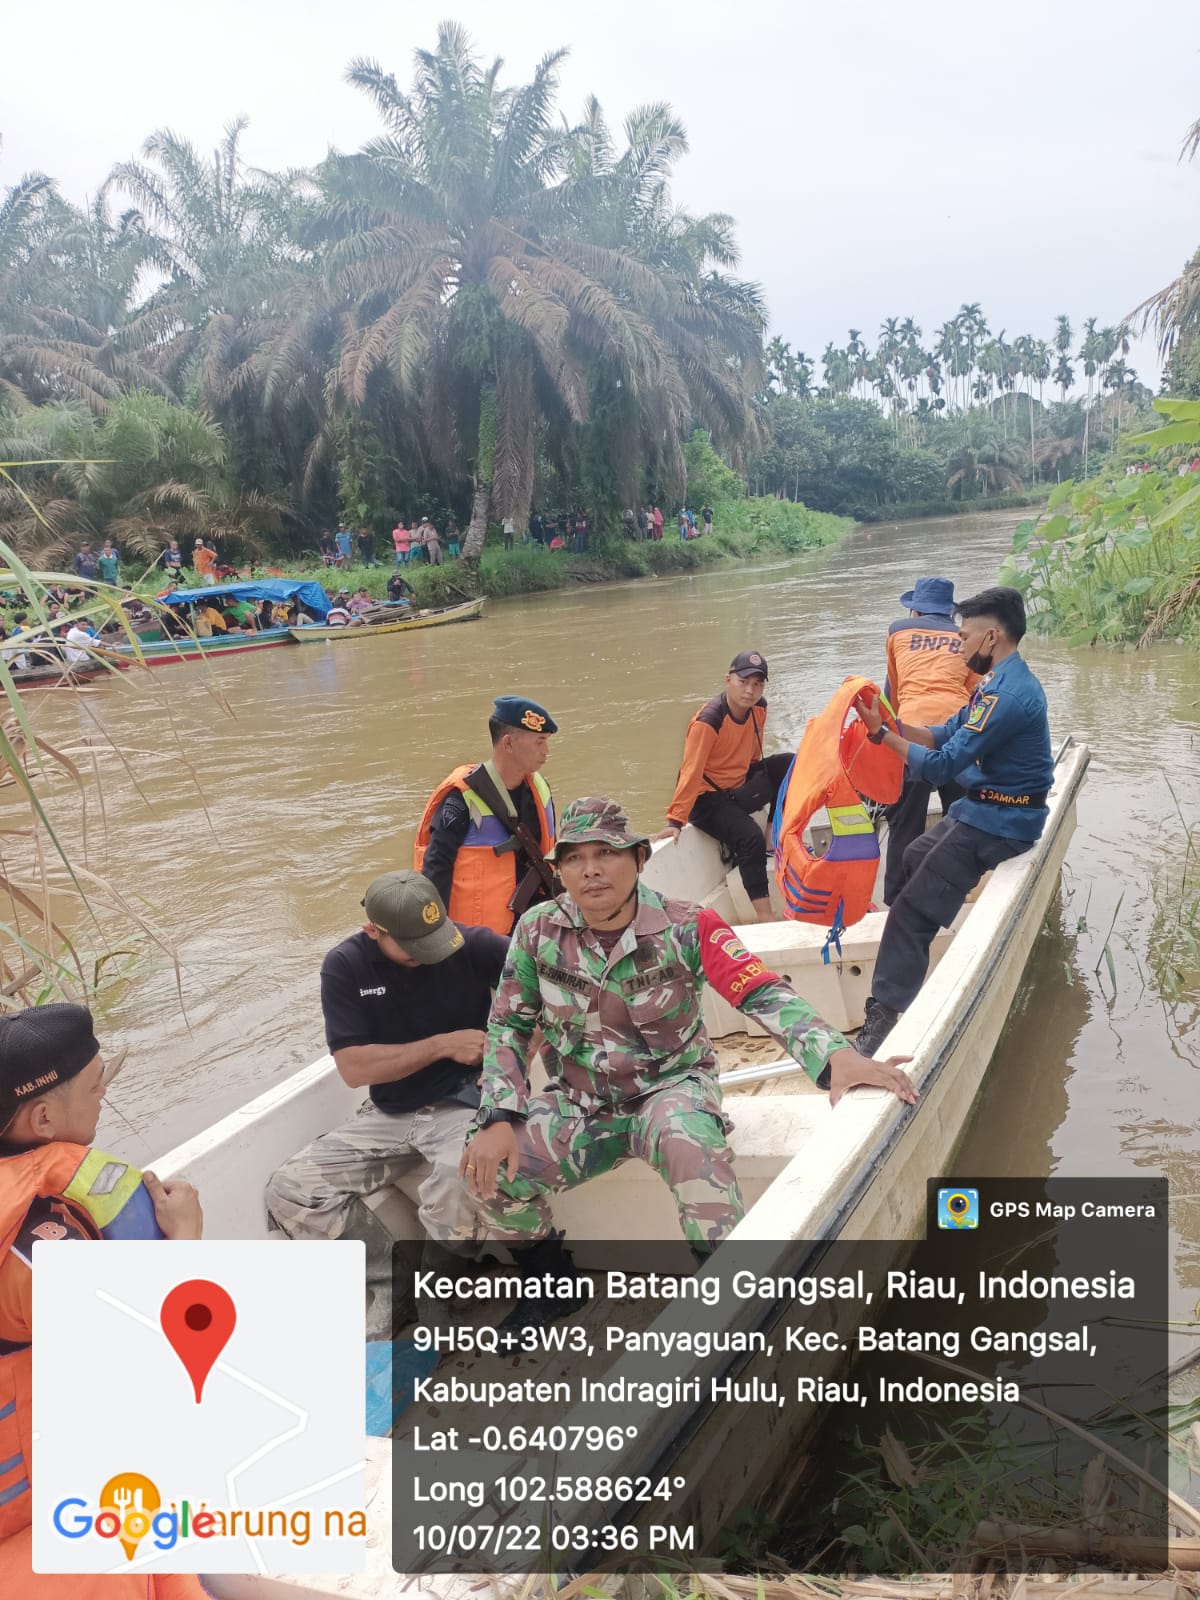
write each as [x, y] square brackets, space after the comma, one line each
[958, 1208]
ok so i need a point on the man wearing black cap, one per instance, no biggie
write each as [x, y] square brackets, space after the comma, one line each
[927, 682]
[725, 777]
[406, 1002]
[486, 830]
[54, 1187]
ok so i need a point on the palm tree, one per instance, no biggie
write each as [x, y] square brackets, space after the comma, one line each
[1037, 369]
[1089, 354]
[67, 280]
[494, 264]
[777, 355]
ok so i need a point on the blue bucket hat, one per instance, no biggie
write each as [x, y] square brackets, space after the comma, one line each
[933, 595]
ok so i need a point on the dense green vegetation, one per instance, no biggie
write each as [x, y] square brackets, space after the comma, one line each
[1117, 558]
[487, 308]
[963, 419]
[482, 304]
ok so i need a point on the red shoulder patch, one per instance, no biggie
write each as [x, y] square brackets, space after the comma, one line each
[728, 965]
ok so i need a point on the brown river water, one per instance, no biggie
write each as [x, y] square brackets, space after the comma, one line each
[316, 780]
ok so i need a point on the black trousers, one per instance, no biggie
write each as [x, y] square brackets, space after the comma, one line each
[906, 821]
[940, 870]
[726, 815]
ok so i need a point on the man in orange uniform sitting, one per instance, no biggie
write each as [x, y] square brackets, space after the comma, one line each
[51, 1089]
[725, 776]
[928, 680]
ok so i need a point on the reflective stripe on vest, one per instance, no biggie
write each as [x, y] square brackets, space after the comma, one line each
[483, 882]
[833, 766]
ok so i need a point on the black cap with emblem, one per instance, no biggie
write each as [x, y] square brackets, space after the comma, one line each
[41, 1048]
[749, 664]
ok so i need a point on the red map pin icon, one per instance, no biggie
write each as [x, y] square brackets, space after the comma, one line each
[198, 1318]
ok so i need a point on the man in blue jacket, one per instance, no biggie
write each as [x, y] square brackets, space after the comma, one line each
[998, 748]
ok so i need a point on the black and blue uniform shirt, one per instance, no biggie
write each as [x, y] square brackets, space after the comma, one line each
[998, 748]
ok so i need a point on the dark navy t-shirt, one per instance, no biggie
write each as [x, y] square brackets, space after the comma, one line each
[368, 999]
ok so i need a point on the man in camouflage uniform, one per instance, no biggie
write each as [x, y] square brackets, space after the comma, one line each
[405, 1002]
[611, 974]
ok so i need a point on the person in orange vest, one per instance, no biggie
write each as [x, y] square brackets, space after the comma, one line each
[927, 682]
[486, 830]
[725, 777]
[51, 1090]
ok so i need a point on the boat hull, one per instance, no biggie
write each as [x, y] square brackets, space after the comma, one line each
[813, 1174]
[161, 652]
[425, 619]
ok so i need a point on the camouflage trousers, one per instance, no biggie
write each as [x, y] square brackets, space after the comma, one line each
[313, 1195]
[678, 1130]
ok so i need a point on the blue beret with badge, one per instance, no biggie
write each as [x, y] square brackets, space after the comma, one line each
[517, 712]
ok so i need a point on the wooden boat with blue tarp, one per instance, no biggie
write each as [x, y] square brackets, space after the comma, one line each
[157, 649]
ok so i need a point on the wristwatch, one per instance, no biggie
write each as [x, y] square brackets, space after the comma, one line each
[486, 1115]
[877, 736]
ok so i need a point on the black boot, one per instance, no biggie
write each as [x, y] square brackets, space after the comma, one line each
[878, 1023]
[548, 1257]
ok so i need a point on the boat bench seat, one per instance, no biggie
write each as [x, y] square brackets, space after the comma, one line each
[633, 1202]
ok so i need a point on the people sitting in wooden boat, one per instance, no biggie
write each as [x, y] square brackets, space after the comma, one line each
[339, 614]
[399, 590]
[927, 682]
[486, 831]
[15, 656]
[360, 601]
[51, 1090]
[406, 1002]
[998, 747]
[611, 973]
[725, 777]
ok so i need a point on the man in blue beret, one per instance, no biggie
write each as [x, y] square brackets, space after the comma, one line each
[486, 830]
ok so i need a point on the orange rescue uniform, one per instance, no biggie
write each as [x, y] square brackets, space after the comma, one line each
[717, 754]
[32, 1206]
[927, 677]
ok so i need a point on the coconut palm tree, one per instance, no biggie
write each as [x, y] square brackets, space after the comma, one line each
[494, 264]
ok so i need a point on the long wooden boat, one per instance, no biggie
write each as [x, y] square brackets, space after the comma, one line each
[61, 676]
[807, 1172]
[467, 612]
[161, 652]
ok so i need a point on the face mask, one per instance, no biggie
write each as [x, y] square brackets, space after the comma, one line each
[979, 663]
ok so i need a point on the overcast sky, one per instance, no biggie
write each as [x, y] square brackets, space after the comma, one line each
[881, 159]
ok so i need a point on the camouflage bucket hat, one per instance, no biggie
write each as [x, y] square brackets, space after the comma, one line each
[594, 820]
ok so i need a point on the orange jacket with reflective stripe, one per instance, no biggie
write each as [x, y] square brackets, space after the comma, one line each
[834, 766]
[484, 882]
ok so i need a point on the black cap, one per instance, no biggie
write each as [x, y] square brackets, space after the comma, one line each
[41, 1048]
[517, 712]
[749, 664]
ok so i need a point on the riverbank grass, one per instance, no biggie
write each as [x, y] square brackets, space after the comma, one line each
[743, 531]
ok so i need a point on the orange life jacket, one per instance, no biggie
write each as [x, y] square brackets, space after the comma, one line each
[834, 765]
[483, 882]
[56, 1191]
